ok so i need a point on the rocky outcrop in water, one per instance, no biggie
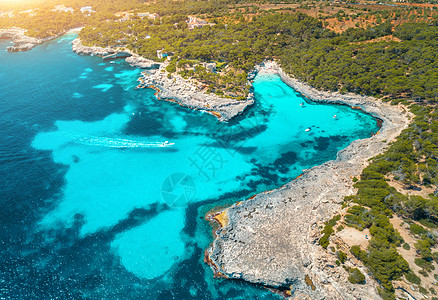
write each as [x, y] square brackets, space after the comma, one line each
[21, 42]
[114, 53]
[90, 50]
[173, 87]
[142, 63]
[272, 239]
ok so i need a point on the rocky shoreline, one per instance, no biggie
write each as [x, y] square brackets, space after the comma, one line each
[189, 94]
[172, 88]
[113, 53]
[21, 42]
[272, 238]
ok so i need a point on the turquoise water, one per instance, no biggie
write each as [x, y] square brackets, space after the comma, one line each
[95, 208]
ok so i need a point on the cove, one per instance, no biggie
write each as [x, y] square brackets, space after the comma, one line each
[115, 214]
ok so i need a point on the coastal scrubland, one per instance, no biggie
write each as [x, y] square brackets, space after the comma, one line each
[386, 49]
[412, 159]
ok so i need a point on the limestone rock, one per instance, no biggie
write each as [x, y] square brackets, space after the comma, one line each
[282, 243]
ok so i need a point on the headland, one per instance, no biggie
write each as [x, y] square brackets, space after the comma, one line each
[272, 238]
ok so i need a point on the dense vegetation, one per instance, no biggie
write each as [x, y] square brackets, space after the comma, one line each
[406, 69]
[412, 159]
[43, 22]
[246, 35]
[240, 45]
[395, 69]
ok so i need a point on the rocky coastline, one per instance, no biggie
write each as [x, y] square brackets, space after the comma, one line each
[21, 42]
[272, 238]
[113, 53]
[173, 87]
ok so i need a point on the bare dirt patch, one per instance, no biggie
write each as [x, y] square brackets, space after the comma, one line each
[410, 190]
[352, 236]
[411, 254]
[386, 38]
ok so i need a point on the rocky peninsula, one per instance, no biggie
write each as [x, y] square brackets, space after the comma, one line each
[113, 53]
[171, 87]
[21, 42]
[272, 238]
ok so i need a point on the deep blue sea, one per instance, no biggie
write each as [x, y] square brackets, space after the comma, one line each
[91, 208]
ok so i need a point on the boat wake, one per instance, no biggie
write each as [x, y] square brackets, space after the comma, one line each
[114, 142]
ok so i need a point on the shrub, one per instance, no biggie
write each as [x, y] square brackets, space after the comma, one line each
[358, 217]
[342, 256]
[324, 240]
[357, 252]
[356, 276]
[417, 229]
[328, 230]
[427, 223]
[424, 264]
[423, 248]
[423, 290]
[406, 246]
[338, 263]
[411, 277]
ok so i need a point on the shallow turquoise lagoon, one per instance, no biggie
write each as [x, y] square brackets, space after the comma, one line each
[93, 205]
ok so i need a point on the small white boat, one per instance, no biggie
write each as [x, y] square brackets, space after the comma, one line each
[335, 117]
[166, 144]
[307, 129]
